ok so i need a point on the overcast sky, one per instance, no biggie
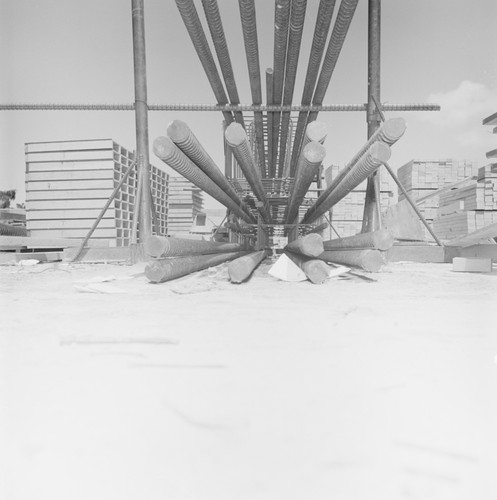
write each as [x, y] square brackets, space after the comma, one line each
[69, 51]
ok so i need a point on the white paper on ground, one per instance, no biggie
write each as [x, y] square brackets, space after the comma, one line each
[285, 269]
[337, 271]
[99, 288]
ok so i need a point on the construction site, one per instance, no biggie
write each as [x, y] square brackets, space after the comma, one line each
[277, 324]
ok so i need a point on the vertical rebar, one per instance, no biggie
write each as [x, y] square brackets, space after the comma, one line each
[249, 28]
[141, 115]
[269, 121]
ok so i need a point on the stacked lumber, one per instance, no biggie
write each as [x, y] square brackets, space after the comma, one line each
[69, 182]
[347, 215]
[469, 208]
[185, 203]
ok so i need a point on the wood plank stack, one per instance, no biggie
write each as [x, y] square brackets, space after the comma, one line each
[421, 178]
[185, 202]
[348, 213]
[68, 183]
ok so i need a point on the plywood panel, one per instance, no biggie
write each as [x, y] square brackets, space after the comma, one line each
[48, 166]
[58, 185]
[69, 214]
[83, 194]
[70, 224]
[33, 147]
[64, 204]
[70, 175]
[106, 154]
[73, 233]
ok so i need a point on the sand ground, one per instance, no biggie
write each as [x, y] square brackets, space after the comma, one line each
[200, 389]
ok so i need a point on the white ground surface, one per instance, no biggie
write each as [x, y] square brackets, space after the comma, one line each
[200, 389]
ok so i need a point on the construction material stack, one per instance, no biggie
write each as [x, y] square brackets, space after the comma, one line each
[185, 203]
[68, 183]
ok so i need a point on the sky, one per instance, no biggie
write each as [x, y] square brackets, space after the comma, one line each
[68, 51]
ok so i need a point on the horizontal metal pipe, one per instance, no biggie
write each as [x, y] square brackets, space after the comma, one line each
[379, 240]
[236, 138]
[369, 260]
[159, 271]
[214, 21]
[193, 25]
[323, 22]
[271, 167]
[308, 166]
[377, 154]
[169, 153]
[275, 108]
[249, 29]
[310, 245]
[240, 269]
[297, 17]
[162, 247]
[181, 134]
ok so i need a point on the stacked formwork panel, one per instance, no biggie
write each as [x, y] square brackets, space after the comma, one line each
[422, 178]
[69, 182]
[347, 215]
[185, 202]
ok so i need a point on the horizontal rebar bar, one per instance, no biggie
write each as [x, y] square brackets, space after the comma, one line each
[215, 107]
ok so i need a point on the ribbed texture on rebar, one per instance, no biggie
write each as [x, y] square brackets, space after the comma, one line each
[310, 245]
[179, 132]
[168, 152]
[237, 140]
[340, 29]
[249, 27]
[194, 27]
[323, 22]
[281, 25]
[159, 271]
[240, 269]
[297, 18]
[377, 154]
[308, 166]
[213, 17]
[368, 260]
[379, 240]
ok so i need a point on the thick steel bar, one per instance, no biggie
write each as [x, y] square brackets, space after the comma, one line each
[180, 133]
[379, 240]
[80, 249]
[275, 108]
[169, 153]
[389, 133]
[308, 166]
[162, 247]
[271, 167]
[377, 154]
[249, 28]
[237, 139]
[372, 212]
[281, 25]
[159, 271]
[316, 270]
[240, 269]
[194, 27]
[412, 203]
[318, 229]
[369, 260]
[141, 114]
[323, 22]
[310, 245]
[213, 17]
[297, 17]
[344, 18]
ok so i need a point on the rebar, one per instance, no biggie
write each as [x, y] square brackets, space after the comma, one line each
[316, 271]
[323, 22]
[377, 154]
[237, 140]
[308, 166]
[192, 23]
[169, 153]
[310, 245]
[379, 240]
[281, 25]
[240, 269]
[159, 271]
[344, 18]
[249, 28]
[271, 167]
[369, 260]
[181, 134]
[297, 18]
[162, 247]
[214, 21]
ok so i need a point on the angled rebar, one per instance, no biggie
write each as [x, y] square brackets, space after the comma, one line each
[297, 18]
[194, 27]
[214, 21]
[323, 22]
[249, 28]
